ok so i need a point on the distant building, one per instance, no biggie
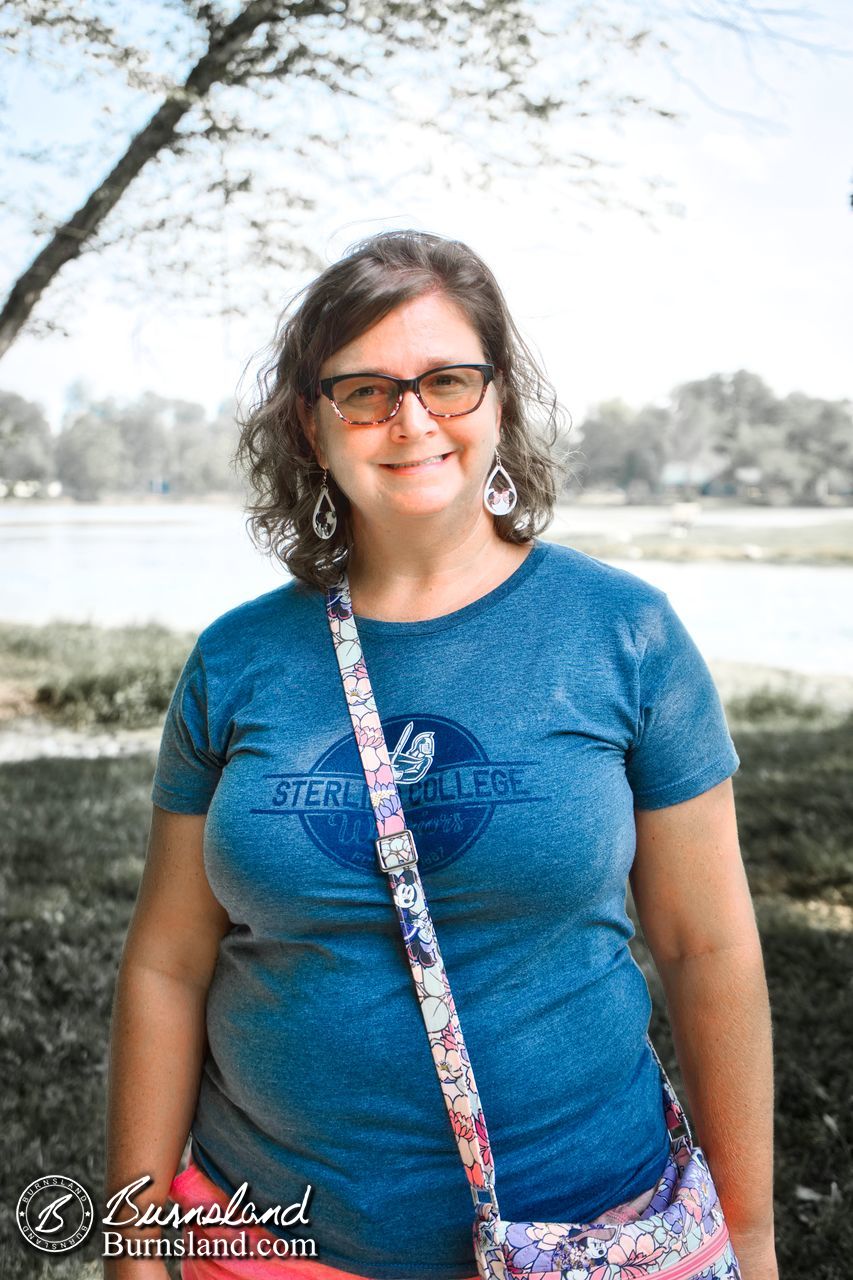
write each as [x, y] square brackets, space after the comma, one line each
[742, 483]
[691, 479]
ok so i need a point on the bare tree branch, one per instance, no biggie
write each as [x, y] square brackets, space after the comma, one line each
[500, 83]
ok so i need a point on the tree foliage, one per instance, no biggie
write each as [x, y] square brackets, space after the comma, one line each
[801, 447]
[107, 448]
[26, 445]
[221, 126]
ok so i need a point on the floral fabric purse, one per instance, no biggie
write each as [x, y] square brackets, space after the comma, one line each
[682, 1234]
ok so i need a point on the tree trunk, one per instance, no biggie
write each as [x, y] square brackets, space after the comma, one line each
[159, 133]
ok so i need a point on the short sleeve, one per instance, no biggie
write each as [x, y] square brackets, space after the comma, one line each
[188, 769]
[682, 745]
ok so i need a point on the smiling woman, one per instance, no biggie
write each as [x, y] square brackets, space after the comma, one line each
[440, 306]
[421, 446]
[553, 731]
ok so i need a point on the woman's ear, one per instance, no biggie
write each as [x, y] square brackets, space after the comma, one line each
[308, 423]
[498, 385]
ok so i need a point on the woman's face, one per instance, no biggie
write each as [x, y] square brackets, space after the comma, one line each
[414, 465]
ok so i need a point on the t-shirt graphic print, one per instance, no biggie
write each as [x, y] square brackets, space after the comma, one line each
[449, 788]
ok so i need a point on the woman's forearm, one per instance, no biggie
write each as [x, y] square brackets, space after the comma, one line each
[157, 1047]
[720, 1016]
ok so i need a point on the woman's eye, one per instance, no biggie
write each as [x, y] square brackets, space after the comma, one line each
[364, 391]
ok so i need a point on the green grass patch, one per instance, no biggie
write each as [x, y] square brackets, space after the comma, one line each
[809, 976]
[81, 675]
[73, 845]
[769, 706]
[795, 811]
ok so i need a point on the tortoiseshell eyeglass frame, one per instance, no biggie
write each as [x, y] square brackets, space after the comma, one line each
[326, 387]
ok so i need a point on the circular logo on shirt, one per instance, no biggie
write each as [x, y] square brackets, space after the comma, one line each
[449, 790]
[55, 1213]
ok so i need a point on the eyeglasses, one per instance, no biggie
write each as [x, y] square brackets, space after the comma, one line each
[363, 399]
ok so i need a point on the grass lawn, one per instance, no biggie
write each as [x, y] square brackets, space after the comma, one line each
[79, 675]
[74, 833]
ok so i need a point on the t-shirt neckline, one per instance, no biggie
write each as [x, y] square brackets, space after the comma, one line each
[426, 626]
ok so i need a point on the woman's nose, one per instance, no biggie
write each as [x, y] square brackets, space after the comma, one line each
[411, 419]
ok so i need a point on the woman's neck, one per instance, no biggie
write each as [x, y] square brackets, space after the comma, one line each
[398, 578]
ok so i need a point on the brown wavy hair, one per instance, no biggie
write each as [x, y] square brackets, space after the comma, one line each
[373, 278]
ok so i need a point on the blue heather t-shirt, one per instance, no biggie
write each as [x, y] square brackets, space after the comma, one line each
[524, 730]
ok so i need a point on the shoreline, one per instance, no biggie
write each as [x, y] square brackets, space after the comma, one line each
[707, 553]
[677, 532]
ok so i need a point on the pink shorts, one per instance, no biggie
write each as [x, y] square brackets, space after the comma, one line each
[193, 1187]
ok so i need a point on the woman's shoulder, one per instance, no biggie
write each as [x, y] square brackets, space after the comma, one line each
[583, 577]
[281, 612]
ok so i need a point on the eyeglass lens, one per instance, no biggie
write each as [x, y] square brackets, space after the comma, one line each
[369, 398]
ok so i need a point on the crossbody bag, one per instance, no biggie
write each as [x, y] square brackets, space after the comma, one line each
[682, 1234]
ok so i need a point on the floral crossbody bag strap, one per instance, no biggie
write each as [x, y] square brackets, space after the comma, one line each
[397, 856]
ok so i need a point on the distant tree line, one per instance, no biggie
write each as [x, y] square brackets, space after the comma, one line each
[104, 448]
[724, 436]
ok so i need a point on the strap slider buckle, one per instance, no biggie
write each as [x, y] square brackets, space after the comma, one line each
[397, 851]
[484, 1196]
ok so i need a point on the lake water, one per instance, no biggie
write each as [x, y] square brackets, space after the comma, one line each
[183, 565]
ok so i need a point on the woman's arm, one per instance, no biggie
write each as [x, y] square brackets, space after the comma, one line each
[158, 1025]
[694, 905]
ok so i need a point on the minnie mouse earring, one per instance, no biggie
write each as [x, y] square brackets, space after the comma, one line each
[324, 518]
[500, 494]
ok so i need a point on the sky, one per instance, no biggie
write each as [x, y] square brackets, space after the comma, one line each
[756, 271]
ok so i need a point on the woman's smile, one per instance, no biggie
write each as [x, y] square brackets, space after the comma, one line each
[417, 465]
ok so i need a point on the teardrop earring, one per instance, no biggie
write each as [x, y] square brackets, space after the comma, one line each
[324, 518]
[500, 494]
